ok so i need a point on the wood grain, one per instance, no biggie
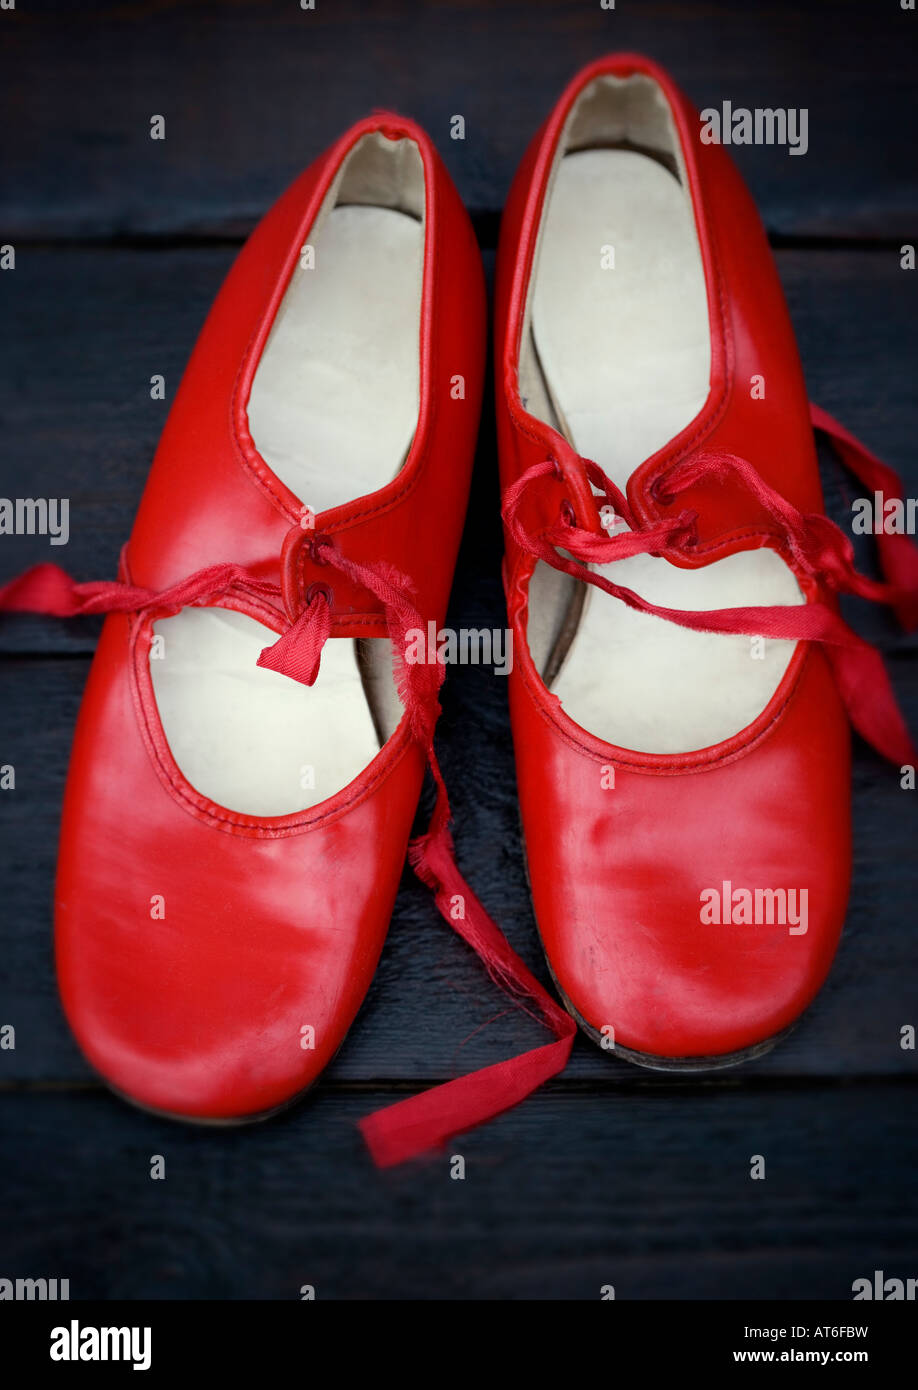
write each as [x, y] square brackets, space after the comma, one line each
[563, 1195]
[253, 90]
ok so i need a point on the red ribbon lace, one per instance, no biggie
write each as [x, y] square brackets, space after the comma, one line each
[818, 548]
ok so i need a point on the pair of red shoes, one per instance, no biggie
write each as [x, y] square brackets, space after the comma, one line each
[253, 737]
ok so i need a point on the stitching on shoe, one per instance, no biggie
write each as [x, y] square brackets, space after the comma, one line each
[203, 807]
[704, 761]
[671, 770]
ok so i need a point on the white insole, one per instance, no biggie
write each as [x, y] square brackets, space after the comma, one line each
[334, 402]
[332, 410]
[625, 354]
[251, 739]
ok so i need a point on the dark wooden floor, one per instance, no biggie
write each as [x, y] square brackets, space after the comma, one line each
[611, 1174]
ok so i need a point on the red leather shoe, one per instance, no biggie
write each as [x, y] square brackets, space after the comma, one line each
[682, 673]
[232, 840]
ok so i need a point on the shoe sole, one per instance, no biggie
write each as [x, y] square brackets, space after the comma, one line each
[651, 1061]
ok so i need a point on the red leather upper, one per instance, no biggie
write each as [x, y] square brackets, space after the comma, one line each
[616, 873]
[271, 925]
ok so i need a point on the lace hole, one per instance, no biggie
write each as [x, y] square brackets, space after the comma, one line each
[319, 591]
[568, 514]
[659, 493]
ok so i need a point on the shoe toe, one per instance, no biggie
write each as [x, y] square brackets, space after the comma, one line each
[695, 915]
[209, 964]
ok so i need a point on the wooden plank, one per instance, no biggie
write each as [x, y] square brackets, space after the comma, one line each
[84, 332]
[649, 1193]
[432, 1013]
[253, 91]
